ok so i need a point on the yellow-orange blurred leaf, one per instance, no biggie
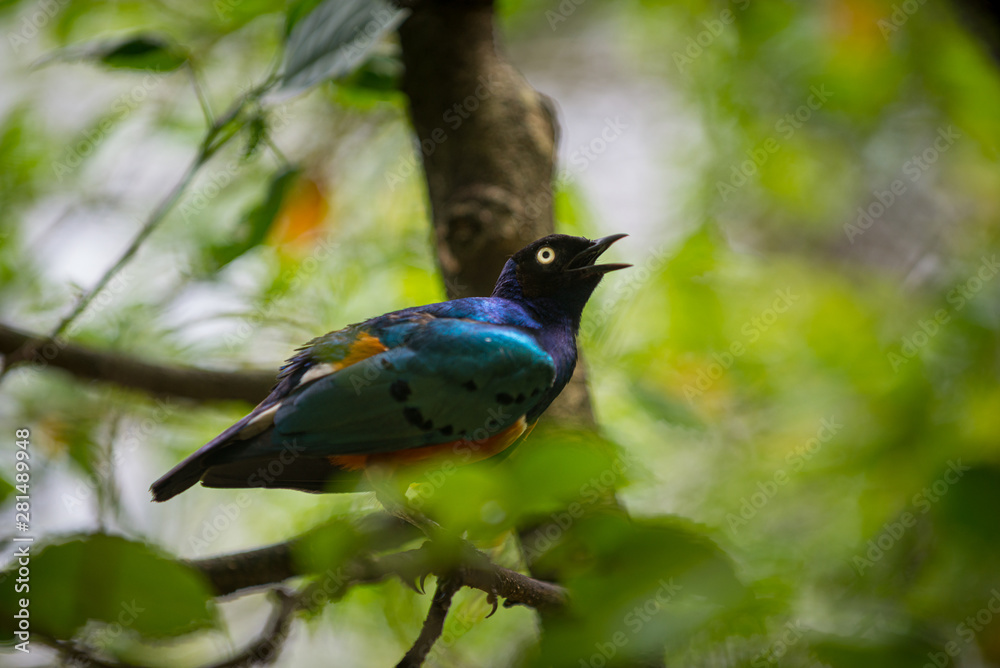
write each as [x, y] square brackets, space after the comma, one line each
[301, 218]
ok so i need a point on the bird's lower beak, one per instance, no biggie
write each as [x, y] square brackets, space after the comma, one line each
[584, 261]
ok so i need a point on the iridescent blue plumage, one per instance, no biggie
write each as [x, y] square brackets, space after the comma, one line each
[458, 377]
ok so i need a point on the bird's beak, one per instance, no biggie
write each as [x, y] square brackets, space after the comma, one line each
[584, 261]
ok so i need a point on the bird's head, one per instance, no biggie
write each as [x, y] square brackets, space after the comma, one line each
[557, 270]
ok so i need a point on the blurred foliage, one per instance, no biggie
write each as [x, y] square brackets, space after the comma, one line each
[111, 580]
[796, 383]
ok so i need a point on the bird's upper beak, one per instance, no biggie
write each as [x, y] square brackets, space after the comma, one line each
[584, 261]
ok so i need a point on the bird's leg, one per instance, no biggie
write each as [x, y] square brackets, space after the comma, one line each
[393, 499]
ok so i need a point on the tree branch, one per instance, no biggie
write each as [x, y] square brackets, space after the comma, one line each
[240, 571]
[489, 172]
[156, 379]
[488, 142]
[433, 625]
[265, 649]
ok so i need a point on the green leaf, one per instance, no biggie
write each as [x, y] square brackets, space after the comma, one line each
[297, 11]
[326, 547]
[333, 39]
[638, 585]
[107, 579]
[375, 82]
[255, 224]
[897, 651]
[143, 52]
[140, 52]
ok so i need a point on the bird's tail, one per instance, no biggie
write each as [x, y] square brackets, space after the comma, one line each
[179, 478]
[194, 468]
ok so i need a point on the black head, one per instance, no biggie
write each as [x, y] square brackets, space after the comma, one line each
[557, 270]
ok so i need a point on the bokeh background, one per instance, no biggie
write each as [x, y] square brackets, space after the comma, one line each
[800, 371]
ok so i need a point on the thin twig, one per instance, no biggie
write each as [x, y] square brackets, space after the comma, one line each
[81, 657]
[262, 651]
[199, 93]
[434, 624]
[217, 136]
[152, 222]
[265, 649]
[278, 153]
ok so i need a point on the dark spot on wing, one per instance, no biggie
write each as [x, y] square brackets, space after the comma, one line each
[470, 385]
[519, 399]
[505, 398]
[416, 418]
[535, 391]
[446, 430]
[400, 390]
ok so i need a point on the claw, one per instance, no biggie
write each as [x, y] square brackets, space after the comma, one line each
[491, 598]
[420, 584]
[414, 583]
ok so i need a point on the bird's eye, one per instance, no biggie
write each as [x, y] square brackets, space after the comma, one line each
[545, 255]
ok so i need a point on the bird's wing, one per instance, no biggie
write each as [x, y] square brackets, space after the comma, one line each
[416, 382]
[409, 382]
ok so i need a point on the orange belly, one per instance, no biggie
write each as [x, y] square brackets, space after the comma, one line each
[479, 449]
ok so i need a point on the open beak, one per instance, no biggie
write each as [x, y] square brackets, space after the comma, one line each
[584, 261]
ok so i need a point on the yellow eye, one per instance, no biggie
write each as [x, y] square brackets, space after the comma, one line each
[545, 255]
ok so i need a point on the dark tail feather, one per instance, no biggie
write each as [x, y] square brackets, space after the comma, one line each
[179, 478]
[255, 462]
[305, 474]
[192, 469]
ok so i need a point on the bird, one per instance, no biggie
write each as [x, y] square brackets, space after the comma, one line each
[466, 378]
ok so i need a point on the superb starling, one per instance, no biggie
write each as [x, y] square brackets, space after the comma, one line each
[467, 377]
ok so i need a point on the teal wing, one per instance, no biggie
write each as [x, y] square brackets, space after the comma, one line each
[405, 380]
[446, 379]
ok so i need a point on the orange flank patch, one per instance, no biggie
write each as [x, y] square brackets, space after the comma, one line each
[364, 346]
[479, 450]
